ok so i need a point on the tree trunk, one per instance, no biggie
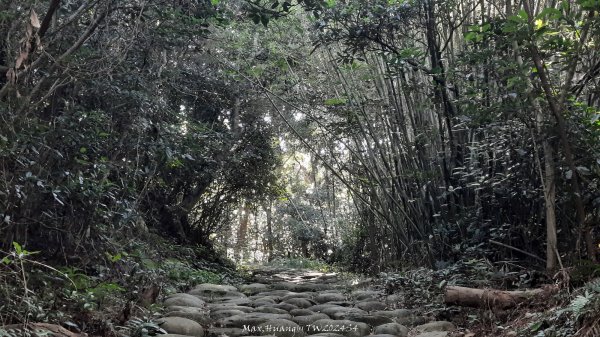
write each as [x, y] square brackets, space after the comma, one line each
[242, 231]
[269, 211]
[492, 298]
[548, 178]
[235, 117]
[550, 201]
[374, 245]
[174, 220]
[557, 107]
[557, 110]
[444, 101]
[305, 252]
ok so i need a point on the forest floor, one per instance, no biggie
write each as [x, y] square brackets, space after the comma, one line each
[286, 300]
[296, 302]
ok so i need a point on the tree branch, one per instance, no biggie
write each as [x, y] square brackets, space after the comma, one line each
[54, 5]
[517, 250]
[89, 31]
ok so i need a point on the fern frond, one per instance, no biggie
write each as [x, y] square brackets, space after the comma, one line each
[15, 333]
[578, 304]
[594, 285]
[143, 327]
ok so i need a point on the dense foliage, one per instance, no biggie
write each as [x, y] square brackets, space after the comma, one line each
[135, 115]
[372, 134]
[115, 120]
[461, 129]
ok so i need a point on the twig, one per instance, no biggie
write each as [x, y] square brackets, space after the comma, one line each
[517, 249]
[563, 272]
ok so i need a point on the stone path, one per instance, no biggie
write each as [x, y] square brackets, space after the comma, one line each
[292, 303]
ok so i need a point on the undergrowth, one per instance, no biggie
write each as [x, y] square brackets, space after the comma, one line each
[107, 294]
[301, 263]
[572, 312]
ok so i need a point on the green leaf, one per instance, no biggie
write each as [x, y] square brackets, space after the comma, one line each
[81, 161]
[539, 23]
[335, 101]
[215, 2]
[590, 5]
[523, 15]
[509, 28]
[536, 326]
[18, 248]
[255, 18]
[83, 150]
[578, 305]
[114, 258]
[264, 20]
[551, 13]
[471, 36]
[6, 260]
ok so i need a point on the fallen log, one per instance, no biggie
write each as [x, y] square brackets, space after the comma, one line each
[493, 298]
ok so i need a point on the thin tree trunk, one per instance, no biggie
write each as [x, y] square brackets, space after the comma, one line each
[550, 201]
[269, 212]
[240, 245]
[557, 108]
[548, 181]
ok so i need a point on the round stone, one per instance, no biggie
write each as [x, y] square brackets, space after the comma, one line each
[307, 295]
[371, 305]
[212, 289]
[436, 326]
[270, 310]
[285, 306]
[301, 312]
[391, 329]
[309, 319]
[372, 320]
[219, 314]
[253, 288]
[300, 302]
[184, 300]
[195, 314]
[181, 326]
[329, 297]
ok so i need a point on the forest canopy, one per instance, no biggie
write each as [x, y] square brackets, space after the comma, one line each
[367, 133]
